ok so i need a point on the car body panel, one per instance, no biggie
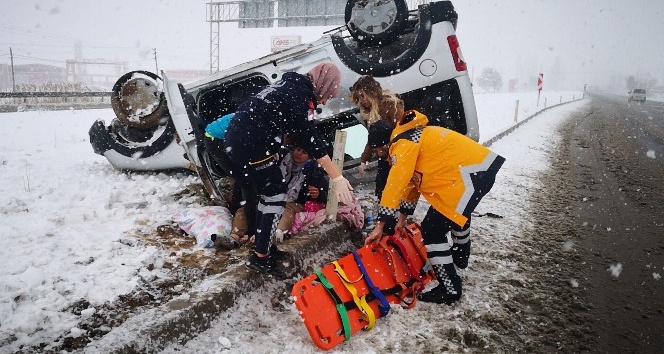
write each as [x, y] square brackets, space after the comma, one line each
[171, 157]
[419, 65]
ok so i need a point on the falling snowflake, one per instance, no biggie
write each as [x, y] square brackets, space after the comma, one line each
[574, 283]
[224, 342]
[651, 154]
[656, 276]
[615, 269]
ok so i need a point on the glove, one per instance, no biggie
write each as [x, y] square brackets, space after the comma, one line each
[362, 169]
[342, 187]
[278, 236]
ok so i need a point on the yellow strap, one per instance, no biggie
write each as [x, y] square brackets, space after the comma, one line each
[360, 302]
[263, 160]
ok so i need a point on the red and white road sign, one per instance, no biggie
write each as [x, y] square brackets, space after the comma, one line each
[540, 80]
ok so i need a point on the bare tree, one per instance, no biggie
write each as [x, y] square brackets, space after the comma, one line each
[490, 79]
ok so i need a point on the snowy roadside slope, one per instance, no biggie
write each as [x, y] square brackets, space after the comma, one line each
[64, 213]
[65, 216]
[260, 323]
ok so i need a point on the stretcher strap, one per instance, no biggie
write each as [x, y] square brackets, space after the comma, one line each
[396, 290]
[382, 246]
[341, 308]
[401, 290]
[384, 306]
[360, 302]
[404, 254]
[411, 234]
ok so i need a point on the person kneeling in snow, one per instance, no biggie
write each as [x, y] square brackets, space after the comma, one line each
[254, 137]
[453, 173]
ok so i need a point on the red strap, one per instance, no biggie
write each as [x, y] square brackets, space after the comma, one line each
[413, 272]
[411, 234]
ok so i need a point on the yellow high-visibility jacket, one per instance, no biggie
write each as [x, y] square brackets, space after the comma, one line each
[434, 162]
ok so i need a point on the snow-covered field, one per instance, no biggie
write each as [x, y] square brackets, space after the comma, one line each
[66, 217]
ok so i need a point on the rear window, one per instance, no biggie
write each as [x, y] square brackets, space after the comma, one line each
[639, 91]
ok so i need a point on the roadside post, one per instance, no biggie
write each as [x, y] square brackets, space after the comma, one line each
[540, 81]
[338, 161]
[516, 111]
[584, 90]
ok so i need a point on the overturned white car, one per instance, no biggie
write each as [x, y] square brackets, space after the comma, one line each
[414, 53]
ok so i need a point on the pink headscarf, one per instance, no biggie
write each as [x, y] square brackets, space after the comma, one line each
[326, 78]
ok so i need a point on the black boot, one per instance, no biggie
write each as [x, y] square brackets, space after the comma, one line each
[278, 255]
[265, 265]
[448, 290]
[460, 254]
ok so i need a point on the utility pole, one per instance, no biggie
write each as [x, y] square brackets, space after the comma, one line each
[11, 55]
[154, 50]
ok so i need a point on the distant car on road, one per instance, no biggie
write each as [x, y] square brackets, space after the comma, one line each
[414, 53]
[636, 95]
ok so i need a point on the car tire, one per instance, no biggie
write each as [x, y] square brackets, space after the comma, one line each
[137, 100]
[390, 18]
[132, 145]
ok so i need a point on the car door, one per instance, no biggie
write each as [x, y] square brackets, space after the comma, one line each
[180, 118]
[185, 135]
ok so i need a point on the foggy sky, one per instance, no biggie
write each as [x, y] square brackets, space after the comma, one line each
[575, 41]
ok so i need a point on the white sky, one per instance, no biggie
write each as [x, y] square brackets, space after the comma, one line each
[590, 39]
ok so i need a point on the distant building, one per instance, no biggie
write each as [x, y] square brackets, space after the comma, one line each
[40, 76]
[30, 74]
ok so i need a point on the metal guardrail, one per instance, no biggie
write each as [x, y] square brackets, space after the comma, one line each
[53, 94]
[30, 101]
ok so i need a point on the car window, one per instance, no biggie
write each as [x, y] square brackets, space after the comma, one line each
[222, 99]
[356, 139]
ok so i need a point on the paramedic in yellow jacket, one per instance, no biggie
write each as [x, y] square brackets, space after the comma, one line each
[452, 172]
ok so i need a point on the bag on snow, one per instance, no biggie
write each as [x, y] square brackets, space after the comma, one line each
[211, 226]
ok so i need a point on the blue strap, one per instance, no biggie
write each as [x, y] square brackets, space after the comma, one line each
[384, 306]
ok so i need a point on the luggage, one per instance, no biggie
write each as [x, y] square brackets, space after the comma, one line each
[349, 294]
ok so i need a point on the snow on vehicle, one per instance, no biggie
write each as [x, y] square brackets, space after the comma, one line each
[159, 122]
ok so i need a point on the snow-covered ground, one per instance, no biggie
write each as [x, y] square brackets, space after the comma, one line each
[66, 220]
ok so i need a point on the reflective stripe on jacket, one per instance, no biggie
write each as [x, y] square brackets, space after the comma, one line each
[434, 162]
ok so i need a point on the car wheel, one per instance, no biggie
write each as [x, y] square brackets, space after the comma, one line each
[373, 22]
[138, 101]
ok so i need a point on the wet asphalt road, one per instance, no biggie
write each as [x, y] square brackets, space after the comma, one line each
[613, 161]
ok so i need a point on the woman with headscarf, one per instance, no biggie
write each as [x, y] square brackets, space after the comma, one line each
[254, 137]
